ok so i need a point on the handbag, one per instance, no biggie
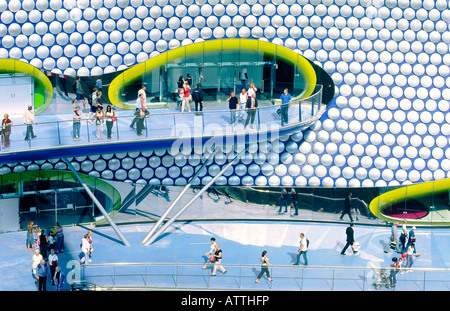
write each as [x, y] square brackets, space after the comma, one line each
[212, 259]
[114, 119]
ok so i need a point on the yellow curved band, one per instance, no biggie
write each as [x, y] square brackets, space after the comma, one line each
[416, 191]
[134, 73]
[14, 66]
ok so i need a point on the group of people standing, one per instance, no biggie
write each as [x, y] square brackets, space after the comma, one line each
[405, 245]
[45, 260]
[187, 94]
[244, 107]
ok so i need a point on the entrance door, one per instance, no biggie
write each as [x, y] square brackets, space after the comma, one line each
[9, 215]
[16, 93]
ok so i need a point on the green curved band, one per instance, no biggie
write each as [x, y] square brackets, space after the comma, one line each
[134, 73]
[416, 191]
[14, 66]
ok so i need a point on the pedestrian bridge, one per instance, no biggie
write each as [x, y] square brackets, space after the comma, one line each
[164, 129]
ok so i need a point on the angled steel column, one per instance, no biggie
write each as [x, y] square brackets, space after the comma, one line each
[171, 220]
[97, 203]
[169, 209]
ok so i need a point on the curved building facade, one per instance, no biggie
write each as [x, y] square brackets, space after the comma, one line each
[387, 125]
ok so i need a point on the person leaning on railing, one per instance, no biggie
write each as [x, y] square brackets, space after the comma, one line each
[252, 104]
[109, 115]
[77, 115]
[285, 105]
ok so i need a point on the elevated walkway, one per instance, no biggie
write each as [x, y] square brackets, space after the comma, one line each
[164, 129]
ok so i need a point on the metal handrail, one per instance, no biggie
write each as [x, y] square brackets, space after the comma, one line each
[297, 122]
[251, 265]
[377, 279]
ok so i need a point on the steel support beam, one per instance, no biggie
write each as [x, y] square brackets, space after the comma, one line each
[97, 203]
[181, 211]
[170, 208]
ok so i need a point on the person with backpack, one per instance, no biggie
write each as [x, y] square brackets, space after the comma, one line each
[304, 243]
[197, 96]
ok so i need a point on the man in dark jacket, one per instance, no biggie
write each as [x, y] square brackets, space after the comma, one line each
[197, 96]
[347, 207]
[252, 104]
[350, 239]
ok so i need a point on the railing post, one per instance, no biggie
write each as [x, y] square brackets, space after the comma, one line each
[59, 136]
[117, 128]
[87, 129]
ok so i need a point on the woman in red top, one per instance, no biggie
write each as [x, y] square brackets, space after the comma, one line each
[186, 98]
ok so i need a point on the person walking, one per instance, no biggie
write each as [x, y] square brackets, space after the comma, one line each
[141, 114]
[412, 239]
[395, 268]
[6, 130]
[210, 254]
[144, 95]
[264, 267]
[410, 252]
[218, 262]
[294, 200]
[242, 103]
[28, 119]
[59, 239]
[285, 105]
[393, 239]
[403, 236]
[197, 96]
[186, 97]
[77, 116]
[243, 77]
[302, 250]
[89, 238]
[139, 105]
[59, 279]
[252, 104]
[99, 115]
[41, 275]
[350, 239]
[233, 106]
[85, 246]
[94, 98]
[53, 263]
[109, 115]
[98, 83]
[347, 207]
[79, 93]
[283, 200]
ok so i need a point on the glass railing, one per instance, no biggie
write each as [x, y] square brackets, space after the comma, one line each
[172, 125]
[142, 276]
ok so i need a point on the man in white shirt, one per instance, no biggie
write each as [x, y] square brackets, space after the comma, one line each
[85, 247]
[303, 249]
[37, 257]
[28, 119]
[141, 101]
[144, 96]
